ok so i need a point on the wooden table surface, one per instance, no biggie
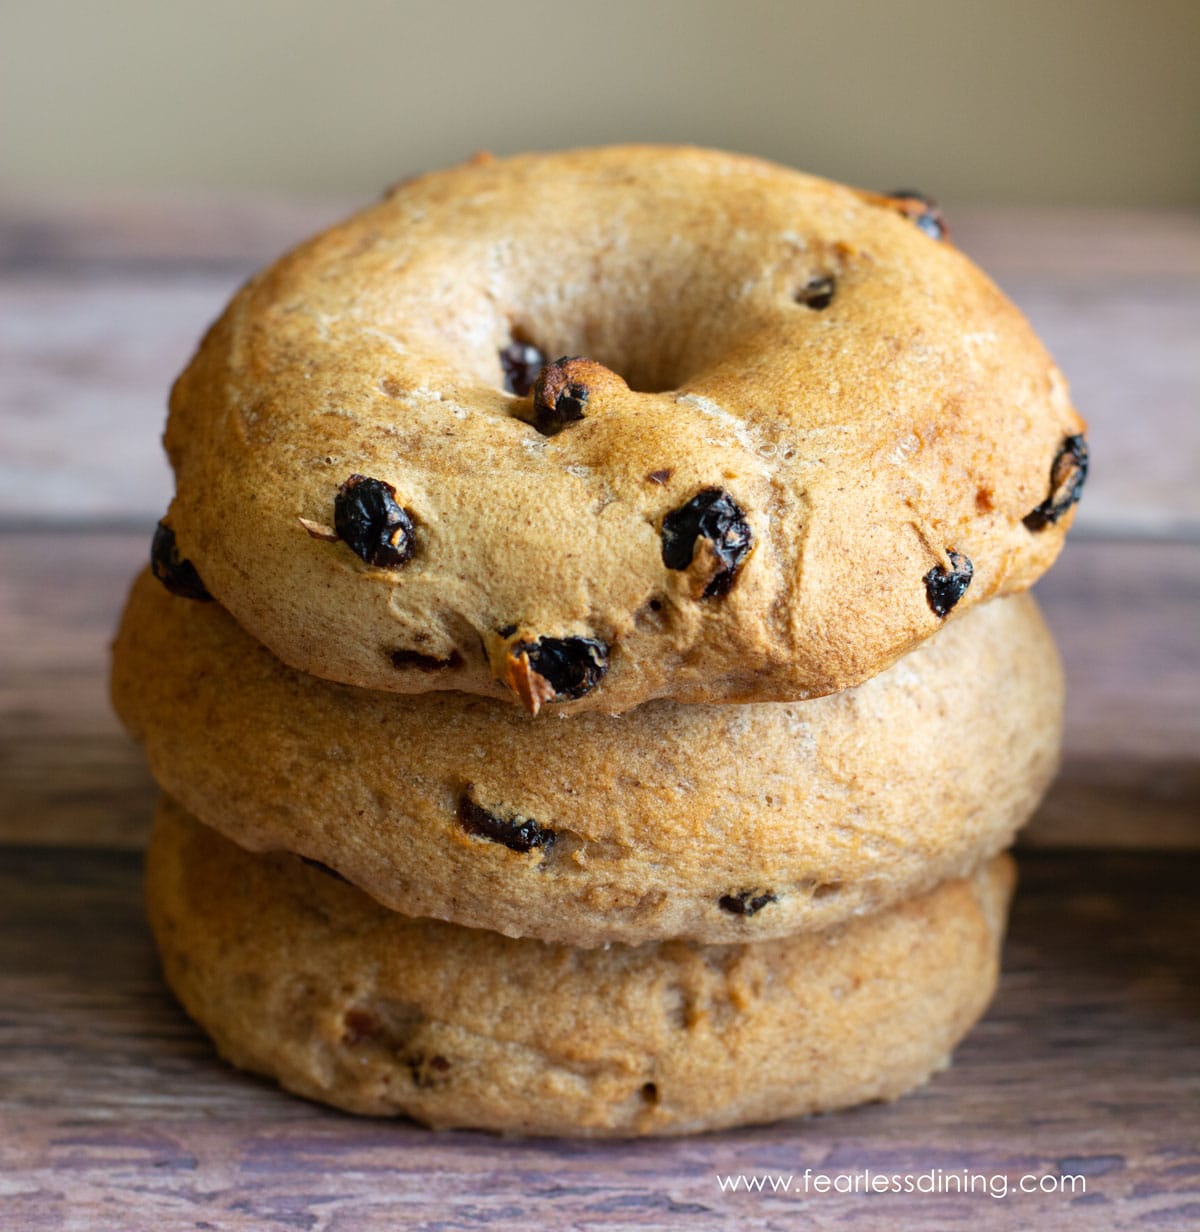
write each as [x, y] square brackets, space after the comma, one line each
[115, 1113]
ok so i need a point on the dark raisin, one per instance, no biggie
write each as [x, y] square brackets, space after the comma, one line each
[370, 522]
[522, 362]
[557, 399]
[402, 659]
[359, 1025]
[1068, 473]
[660, 476]
[944, 587]
[324, 868]
[571, 666]
[507, 630]
[516, 833]
[177, 575]
[715, 517]
[427, 1071]
[817, 293]
[746, 902]
[923, 211]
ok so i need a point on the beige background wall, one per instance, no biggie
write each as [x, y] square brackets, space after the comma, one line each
[1077, 101]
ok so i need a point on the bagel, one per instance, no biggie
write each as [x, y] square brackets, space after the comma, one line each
[583, 430]
[300, 977]
[712, 823]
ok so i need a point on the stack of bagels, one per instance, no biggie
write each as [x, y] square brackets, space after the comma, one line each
[586, 659]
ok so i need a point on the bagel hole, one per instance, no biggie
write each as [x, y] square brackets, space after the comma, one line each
[639, 359]
[643, 366]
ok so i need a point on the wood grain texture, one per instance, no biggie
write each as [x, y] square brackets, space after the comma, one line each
[116, 1115]
[170, 232]
[114, 1112]
[163, 234]
[1122, 612]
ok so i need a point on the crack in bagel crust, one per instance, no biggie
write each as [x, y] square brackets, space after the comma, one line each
[725, 325]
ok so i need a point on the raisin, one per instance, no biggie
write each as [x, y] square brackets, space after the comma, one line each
[715, 517]
[746, 902]
[370, 522]
[177, 575]
[402, 659]
[522, 362]
[324, 868]
[427, 1071]
[923, 211]
[817, 293]
[944, 587]
[660, 476]
[1068, 473]
[516, 833]
[359, 1025]
[570, 666]
[557, 399]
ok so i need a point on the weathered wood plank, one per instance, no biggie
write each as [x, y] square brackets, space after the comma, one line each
[89, 345]
[1132, 355]
[198, 230]
[163, 234]
[85, 369]
[1075, 246]
[1124, 615]
[115, 1113]
[1125, 619]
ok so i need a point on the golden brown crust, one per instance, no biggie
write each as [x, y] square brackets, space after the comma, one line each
[911, 414]
[715, 823]
[301, 977]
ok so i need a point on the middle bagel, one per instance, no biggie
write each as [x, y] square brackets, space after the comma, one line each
[713, 823]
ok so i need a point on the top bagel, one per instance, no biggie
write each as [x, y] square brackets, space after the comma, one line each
[591, 428]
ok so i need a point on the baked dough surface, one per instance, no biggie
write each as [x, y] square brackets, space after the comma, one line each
[795, 417]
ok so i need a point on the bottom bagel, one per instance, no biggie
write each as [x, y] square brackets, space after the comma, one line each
[299, 975]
